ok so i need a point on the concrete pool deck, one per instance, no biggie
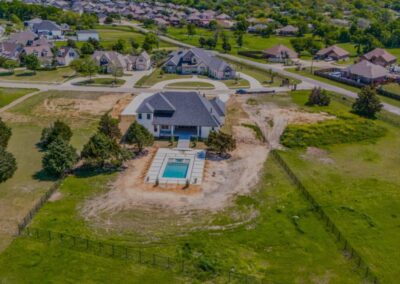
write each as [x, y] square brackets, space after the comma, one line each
[197, 159]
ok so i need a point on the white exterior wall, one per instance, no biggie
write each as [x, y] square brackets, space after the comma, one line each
[205, 131]
[147, 123]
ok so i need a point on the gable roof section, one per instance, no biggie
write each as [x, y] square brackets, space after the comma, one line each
[368, 70]
[279, 50]
[379, 52]
[334, 48]
[47, 26]
[186, 109]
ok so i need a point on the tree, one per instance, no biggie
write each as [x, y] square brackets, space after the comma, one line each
[8, 165]
[367, 104]
[101, 151]
[191, 29]
[119, 46]
[86, 66]
[109, 127]
[95, 43]
[213, 25]
[220, 142]
[108, 20]
[226, 46]
[202, 41]
[5, 134]
[150, 41]
[59, 158]
[116, 71]
[87, 48]
[318, 97]
[133, 43]
[239, 40]
[59, 130]
[211, 43]
[71, 43]
[32, 62]
[138, 135]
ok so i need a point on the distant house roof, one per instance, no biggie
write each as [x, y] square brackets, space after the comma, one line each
[183, 109]
[338, 51]
[22, 37]
[288, 29]
[214, 63]
[368, 70]
[46, 26]
[380, 53]
[280, 51]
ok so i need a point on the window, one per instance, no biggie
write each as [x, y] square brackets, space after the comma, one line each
[149, 116]
[139, 116]
[164, 127]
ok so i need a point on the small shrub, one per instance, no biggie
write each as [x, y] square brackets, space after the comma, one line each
[318, 97]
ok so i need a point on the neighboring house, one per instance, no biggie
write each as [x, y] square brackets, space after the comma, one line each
[107, 60]
[366, 72]
[10, 50]
[85, 35]
[49, 29]
[279, 53]
[66, 55]
[380, 57]
[257, 28]
[334, 52]
[200, 62]
[43, 53]
[169, 114]
[288, 30]
[23, 38]
[29, 24]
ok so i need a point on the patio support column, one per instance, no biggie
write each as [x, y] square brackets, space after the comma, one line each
[172, 130]
[198, 131]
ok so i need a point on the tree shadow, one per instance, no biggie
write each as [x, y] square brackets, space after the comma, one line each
[87, 172]
[216, 157]
[43, 176]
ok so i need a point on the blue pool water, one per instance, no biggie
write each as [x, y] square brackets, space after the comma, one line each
[176, 168]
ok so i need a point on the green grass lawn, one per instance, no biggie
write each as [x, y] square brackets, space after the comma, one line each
[273, 247]
[156, 76]
[359, 191]
[19, 194]
[53, 76]
[102, 82]
[8, 95]
[190, 85]
[250, 41]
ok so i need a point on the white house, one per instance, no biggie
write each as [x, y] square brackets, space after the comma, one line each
[66, 55]
[49, 29]
[85, 35]
[168, 114]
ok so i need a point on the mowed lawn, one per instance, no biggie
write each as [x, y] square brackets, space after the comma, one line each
[359, 190]
[19, 194]
[8, 95]
[52, 76]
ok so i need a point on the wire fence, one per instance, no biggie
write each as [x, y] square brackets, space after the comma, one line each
[330, 225]
[39, 204]
[139, 256]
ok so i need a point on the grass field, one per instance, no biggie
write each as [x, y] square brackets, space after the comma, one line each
[250, 41]
[359, 192]
[19, 194]
[8, 95]
[156, 77]
[190, 85]
[101, 82]
[53, 76]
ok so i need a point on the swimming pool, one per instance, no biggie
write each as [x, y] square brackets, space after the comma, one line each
[176, 168]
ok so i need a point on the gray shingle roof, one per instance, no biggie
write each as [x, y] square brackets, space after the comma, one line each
[183, 109]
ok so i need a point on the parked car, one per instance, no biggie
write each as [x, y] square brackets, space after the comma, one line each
[335, 74]
[241, 92]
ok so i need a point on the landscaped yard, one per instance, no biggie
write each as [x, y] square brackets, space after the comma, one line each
[102, 82]
[158, 76]
[190, 85]
[8, 95]
[52, 76]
